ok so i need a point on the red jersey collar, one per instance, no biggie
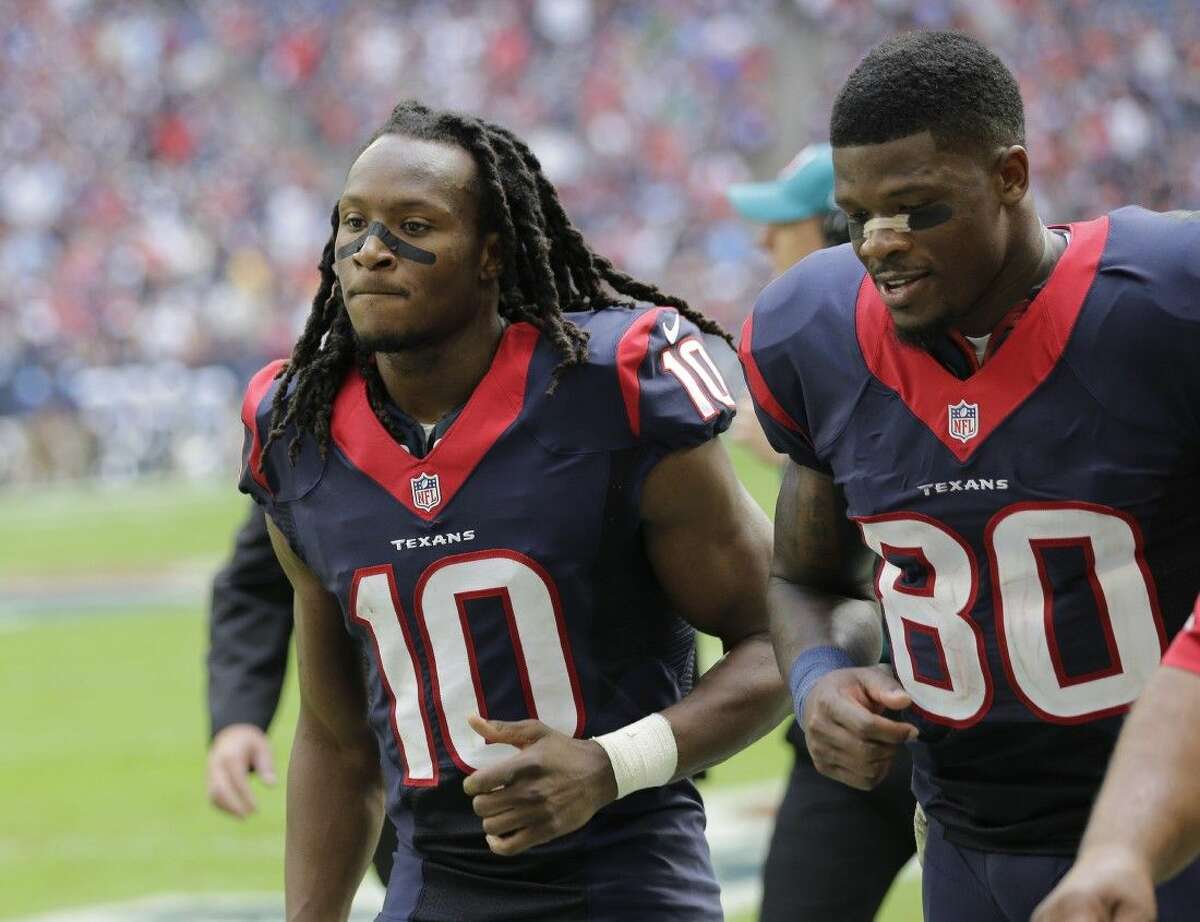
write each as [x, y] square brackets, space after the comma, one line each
[964, 413]
[427, 485]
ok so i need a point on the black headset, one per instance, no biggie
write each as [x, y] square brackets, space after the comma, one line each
[835, 228]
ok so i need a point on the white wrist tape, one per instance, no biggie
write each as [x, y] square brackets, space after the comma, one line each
[643, 754]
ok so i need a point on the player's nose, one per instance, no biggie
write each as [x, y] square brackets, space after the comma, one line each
[878, 245]
[374, 254]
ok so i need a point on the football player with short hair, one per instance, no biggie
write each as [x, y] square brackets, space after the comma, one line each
[494, 478]
[1007, 415]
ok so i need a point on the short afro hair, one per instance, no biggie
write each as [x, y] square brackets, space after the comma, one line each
[945, 83]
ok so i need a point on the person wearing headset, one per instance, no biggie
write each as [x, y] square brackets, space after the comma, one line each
[835, 850]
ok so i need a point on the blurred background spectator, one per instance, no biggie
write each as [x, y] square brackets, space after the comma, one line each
[167, 169]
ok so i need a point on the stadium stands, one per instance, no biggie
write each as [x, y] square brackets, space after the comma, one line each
[166, 171]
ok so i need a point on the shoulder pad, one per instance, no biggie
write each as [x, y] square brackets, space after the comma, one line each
[800, 354]
[271, 477]
[1136, 341]
[650, 379]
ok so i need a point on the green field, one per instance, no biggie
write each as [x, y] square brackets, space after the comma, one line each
[104, 722]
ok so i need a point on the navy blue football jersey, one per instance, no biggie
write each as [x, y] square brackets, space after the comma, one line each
[504, 574]
[1037, 523]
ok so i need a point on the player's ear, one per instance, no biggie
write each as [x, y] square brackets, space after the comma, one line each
[1012, 174]
[491, 260]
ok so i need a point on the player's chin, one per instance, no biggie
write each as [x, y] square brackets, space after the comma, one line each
[387, 330]
[378, 337]
[921, 324]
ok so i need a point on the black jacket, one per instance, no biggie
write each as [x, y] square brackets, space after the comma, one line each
[249, 628]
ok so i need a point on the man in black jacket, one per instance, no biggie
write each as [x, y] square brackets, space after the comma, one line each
[249, 629]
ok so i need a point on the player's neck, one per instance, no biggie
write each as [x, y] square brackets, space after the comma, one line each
[428, 383]
[1028, 266]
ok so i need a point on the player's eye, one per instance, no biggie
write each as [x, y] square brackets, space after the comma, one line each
[354, 222]
[414, 228]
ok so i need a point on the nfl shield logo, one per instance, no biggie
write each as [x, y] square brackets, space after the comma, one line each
[426, 491]
[964, 421]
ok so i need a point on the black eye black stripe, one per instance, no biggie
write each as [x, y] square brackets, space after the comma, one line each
[400, 247]
[930, 216]
[918, 219]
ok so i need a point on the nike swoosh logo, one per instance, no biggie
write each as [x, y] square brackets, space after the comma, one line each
[670, 327]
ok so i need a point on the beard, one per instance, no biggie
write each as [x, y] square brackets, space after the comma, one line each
[927, 335]
[398, 343]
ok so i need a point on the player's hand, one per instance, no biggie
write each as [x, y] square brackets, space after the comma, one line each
[551, 787]
[236, 751]
[1108, 886]
[848, 737]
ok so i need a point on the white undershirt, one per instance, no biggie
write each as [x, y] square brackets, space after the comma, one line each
[980, 343]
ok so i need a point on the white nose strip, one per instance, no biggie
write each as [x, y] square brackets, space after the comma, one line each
[897, 223]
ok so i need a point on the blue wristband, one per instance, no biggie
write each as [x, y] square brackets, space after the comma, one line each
[808, 669]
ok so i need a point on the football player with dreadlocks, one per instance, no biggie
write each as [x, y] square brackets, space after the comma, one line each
[494, 483]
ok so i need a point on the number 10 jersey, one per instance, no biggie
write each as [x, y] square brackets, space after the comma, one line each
[504, 574]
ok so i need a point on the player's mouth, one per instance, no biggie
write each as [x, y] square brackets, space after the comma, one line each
[899, 289]
[382, 292]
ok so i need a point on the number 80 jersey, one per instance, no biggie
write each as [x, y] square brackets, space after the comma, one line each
[1037, 524]
[504, 574]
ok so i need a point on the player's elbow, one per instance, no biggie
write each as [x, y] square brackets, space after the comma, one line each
[348, 742]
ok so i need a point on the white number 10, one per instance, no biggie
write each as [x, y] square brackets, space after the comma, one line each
[546, 671]
[692, 367]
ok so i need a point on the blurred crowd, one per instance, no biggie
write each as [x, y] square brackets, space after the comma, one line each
[1111, 88]
[167, 170]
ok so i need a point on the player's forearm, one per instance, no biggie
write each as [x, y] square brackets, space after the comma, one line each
[1149, 806]
[735, 702]
[802, 618]
[334, 811]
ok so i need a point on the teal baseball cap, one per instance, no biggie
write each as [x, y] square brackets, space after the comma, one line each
[803, 189]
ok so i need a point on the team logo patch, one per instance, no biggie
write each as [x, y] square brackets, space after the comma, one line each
[426, 491]
[964, 421]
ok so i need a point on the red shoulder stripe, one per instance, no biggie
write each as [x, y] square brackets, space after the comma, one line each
[631, 352]
[758, 384]
[256, 390]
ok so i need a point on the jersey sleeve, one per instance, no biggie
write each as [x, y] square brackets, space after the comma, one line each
[673, 392]
[1184, 652]
[256, 421]
[767, 350]
[801, 357]
[786, 427]
[270, 476]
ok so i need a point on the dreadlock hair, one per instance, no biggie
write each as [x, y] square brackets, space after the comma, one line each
[548, 269]
[945, 83]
